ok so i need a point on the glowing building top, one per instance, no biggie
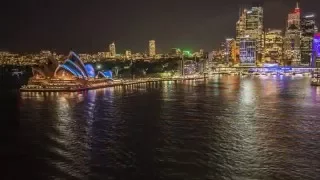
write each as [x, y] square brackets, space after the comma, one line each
[294, 18]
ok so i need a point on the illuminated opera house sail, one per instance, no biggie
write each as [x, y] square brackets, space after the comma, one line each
[71, 75]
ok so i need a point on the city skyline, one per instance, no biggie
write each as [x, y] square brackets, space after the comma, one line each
[45, 28]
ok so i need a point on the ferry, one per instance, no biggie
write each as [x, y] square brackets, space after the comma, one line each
[315, 80]
[287, 74]
[307, 74]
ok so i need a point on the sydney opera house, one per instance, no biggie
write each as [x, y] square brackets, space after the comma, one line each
[71, 75]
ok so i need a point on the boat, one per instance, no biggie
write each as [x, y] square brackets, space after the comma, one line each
[315, 80]
[306, 74]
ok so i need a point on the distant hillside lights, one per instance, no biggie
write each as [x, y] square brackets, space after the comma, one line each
[41, 57]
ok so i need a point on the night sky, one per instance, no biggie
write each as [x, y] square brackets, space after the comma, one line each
[89, 26]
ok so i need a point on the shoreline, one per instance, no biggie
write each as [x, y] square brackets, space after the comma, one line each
[143, 81]
[123, 83]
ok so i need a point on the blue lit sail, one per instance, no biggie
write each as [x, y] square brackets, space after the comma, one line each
[90, 70]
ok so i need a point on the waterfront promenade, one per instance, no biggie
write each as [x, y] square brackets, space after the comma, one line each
[129, 82]
[114, 83]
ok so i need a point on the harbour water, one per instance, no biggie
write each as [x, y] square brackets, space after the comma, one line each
[226, 127]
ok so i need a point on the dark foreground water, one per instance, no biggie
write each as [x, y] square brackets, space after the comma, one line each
[223, 128]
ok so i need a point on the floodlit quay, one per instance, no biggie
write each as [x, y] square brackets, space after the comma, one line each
[103, 84]
[76, 85]
[73, 75]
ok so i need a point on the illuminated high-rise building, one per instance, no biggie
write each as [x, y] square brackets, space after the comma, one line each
[254, 29]
[248, 51]
[112, 49]
[308, 30]
[240, 30]
[107, 55]
[292, 50]
[316, 51]
[201, 52]
[128, 54]
[250, 26]
[152, 48]
[230, 50]
[273, 47]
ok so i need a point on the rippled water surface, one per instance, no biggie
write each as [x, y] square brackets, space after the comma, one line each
[228, 127]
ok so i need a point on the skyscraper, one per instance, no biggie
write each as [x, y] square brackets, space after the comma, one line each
[248, 51]
[254, 29]
[316, 51]
[152, 48]
[201, 52]
[292, 51]
[230, 51]
[273, 47]
[128, 54]
[308, 30]
[112, 49]
[240, 30]
[249, 28]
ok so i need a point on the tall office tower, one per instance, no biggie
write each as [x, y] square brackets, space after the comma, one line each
[240, 30]
[230, 51]
[201, 52]
[112, 49]
[152, 48]
[254, 29]
[273, 47]
[292, 50]
[316, 51]
[248, 51]
[128, 54]
[308, 30]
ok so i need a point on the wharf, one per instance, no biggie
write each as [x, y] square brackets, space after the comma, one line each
[122, 83]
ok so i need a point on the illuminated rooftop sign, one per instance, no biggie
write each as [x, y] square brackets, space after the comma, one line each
[310, 16]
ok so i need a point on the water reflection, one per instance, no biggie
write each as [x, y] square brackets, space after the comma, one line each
[227, 127]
